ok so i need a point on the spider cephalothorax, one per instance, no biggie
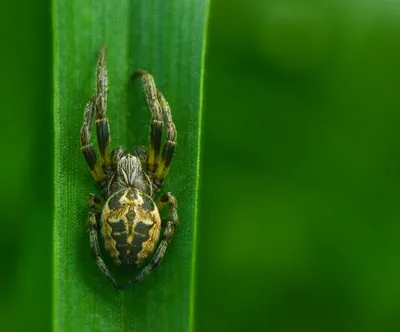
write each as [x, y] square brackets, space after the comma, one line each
[129, 174]
[126, 215]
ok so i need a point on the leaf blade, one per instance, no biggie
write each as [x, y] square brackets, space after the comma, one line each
[170, 36]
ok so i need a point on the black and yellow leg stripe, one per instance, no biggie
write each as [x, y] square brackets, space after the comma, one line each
[95, 205]
[156, 121]
[158, 162]
[102, 125]
[165, 159]
[86, 145]
[97, 104]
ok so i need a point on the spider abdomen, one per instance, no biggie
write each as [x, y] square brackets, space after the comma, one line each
[130, 225]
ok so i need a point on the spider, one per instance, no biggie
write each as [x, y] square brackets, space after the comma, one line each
[125, 213]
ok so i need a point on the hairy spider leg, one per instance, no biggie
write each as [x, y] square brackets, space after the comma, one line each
[102, 125]
[142, 153]
[169, 146]
[171, 223]
[158, 165]
[86, 145]
[96, 204]
[156, 120]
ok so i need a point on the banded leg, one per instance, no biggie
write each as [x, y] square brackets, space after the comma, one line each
[156, 120]
[171, 223]
[169, 146]
[102, 125]
[142, 153]
[95, 205]
[86, 145]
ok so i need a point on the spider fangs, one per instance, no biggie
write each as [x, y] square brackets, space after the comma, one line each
[126, 214]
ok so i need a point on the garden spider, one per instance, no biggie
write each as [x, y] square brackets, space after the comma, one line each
[126, 214]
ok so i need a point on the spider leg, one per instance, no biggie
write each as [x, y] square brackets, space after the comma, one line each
[86, 145]
[158, 166]
[170, 200]
[171, 223]
[102, 125]
[95, 205]
[156, 120]
[169, 146]
[142, 153]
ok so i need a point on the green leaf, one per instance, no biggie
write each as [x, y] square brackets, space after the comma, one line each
[166, 39]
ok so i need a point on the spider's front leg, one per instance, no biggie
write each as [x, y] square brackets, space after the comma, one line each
[86, 145]
[156, 120]
[169, 146]
[171, 223]
[98, 104]
[102, 125]
[158, 165]
[96, 204]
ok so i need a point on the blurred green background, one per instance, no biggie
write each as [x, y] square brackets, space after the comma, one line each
[26, 167]
[299, 216]
[299, 213]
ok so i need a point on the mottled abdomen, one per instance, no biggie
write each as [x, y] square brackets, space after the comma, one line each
[130, 225]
